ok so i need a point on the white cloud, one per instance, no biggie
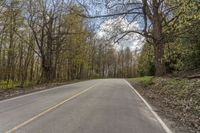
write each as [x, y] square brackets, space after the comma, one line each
[113, 28]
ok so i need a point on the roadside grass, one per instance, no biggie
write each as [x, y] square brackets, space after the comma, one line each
[146, 80]
[8, 84]
[13, 84]
[12, 88]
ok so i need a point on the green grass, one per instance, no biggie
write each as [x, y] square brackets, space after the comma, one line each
[146, 80]
[13, 84]
[8, 84]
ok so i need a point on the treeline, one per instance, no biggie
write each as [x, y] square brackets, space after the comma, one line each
[108, 62]
[47, 41]
[53, 41]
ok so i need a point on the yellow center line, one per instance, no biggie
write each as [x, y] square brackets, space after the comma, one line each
[48, 110]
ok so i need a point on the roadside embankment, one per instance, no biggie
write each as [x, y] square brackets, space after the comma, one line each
[177, 100]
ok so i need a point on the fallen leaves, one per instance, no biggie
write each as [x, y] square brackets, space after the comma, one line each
[177, 100]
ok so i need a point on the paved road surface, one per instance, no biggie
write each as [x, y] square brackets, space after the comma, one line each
[95, 106]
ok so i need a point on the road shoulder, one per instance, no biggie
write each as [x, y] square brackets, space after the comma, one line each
[16, 92]
[165, 107]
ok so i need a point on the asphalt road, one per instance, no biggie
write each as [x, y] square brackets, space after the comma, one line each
[95, 106]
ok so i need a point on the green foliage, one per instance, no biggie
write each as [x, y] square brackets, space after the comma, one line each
[180, 55]
[176, 56]
[146, 80]
[146, 61]
[8, 84]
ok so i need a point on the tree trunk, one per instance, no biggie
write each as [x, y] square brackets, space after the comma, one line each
[160, 69]
[157, 40]
[47, 74]
[81, 73]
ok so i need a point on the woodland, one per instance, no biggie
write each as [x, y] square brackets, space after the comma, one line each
[44, 41]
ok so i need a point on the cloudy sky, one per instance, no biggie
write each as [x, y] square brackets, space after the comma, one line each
[115, 27]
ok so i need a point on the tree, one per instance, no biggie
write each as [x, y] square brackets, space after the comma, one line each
[159, 20]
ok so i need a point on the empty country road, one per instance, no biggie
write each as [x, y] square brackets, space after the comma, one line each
[94, 106]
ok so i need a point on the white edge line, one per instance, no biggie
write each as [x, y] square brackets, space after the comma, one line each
[167, 130]
[37, 92]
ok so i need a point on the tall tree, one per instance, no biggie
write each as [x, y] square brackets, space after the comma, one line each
[159, 20]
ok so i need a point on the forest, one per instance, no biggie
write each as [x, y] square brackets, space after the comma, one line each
[43, 41]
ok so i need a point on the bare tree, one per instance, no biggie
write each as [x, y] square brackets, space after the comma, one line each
[44, 20]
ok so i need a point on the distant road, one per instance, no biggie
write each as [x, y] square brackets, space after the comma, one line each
[95, 106]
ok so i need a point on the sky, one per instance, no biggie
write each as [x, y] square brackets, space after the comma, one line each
[113, 26]
[108, 27]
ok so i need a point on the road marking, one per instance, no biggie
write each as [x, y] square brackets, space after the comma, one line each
[48, 110]
[37, 92]
[167, 130]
